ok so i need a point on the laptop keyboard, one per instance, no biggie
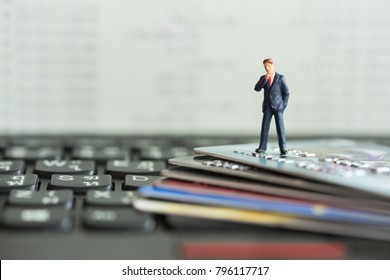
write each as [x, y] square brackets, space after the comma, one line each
[71, 197]
[44, 182]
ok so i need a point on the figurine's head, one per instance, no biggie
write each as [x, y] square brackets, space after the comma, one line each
[269, 65]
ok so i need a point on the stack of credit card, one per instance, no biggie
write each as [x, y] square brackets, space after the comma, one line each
[336, 187]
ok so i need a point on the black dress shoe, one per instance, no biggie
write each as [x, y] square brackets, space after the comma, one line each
[283, 152]
[260, 151]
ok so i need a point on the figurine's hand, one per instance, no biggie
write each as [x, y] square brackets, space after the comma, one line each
[267, 76]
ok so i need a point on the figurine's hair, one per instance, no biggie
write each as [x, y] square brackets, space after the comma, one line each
[268, 60]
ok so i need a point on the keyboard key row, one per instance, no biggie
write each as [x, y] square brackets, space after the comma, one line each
[55, 153]
[89, 152]
[65, 198]
[117, 168]
[60, 219]
[53, 210]
[76, 183]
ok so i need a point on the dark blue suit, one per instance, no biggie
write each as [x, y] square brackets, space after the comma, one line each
[274, 103]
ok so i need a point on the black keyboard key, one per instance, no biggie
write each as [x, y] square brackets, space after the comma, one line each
[138, 144]
[81, 183]
[107, 198]
[92, 141]
[101, 154]
[14, 167]
[46, 168]
[60, 198]
[32, 154]
[133, 182]
[163, 153]
[118, 218]
[37, 218]
[121, 168]
[18, 182]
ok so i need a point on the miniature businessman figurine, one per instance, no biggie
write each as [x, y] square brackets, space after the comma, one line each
[275, 101]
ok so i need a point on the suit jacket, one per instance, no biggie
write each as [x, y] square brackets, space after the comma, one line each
[276, 96]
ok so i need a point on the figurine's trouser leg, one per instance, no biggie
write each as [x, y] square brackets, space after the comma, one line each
[280, 130]
[267, 116]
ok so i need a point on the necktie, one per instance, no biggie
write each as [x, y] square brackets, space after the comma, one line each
[270, 81]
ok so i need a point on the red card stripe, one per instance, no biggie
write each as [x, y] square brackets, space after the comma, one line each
[263, 250]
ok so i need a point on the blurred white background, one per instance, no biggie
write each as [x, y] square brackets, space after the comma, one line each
[174, 66]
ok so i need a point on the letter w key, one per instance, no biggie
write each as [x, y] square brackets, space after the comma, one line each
[46, 168]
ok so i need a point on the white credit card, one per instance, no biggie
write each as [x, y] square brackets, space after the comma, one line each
[358, 166]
